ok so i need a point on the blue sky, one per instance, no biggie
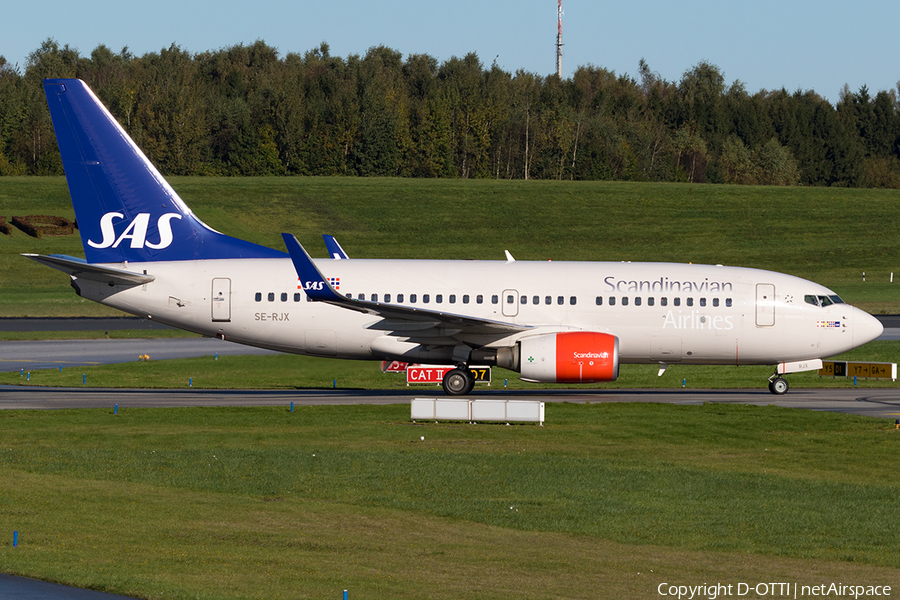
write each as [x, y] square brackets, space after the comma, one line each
[767, 44]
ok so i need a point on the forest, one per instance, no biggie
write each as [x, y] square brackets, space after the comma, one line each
[245, 110]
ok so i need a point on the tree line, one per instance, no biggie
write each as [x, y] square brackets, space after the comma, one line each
[245, 110]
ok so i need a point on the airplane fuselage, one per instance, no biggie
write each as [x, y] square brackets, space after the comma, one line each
[661, 312]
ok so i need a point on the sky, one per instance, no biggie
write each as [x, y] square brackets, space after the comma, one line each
[766, 44]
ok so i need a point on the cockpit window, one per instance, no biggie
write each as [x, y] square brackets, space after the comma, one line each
[837, 300]
[825, 301]
[810, 299]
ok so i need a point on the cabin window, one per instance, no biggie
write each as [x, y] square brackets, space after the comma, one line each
[624, 300]
[599, 300]
[702, 301]
[524, 299]
[479, 299]
[664, 301]
[715, 302]
[387, 297]
[495, 299]
[259, 296]
[297, 297]
[271, 297]
[412, 298]
[426, 298]
[548, 300]
[573, 300]
[284, 296]
[728, 302]
[361, 297]
[637, 301]
[690, 301]
[535, 299]
[651, 301]
[374, 297]
[400, 298]
[612, 300]
[510, 299]
[452, 299]
[559, 300]
[465, 298]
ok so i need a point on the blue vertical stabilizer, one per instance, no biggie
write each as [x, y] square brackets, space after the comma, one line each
[126, 210]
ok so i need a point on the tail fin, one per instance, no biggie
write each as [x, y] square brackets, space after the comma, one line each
[126, 210]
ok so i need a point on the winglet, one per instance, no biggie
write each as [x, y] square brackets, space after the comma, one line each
[334, 249]
[314, 283]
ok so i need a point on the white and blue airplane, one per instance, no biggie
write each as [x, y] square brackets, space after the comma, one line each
[147, 254]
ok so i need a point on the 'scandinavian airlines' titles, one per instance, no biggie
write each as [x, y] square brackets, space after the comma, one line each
[664, 284]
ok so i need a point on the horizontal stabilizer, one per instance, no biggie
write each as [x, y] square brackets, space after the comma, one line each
[83, 270]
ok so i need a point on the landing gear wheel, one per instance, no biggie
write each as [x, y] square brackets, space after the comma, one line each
[779, 386]
[458, 382]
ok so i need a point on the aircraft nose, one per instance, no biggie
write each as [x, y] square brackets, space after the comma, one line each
[865, 328]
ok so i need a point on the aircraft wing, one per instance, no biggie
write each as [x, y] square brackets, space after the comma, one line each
[398, 318]
[82, 269]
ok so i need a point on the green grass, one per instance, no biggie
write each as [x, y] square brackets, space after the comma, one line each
[113, 334]
[286, 371]
[606, 500]
[828, 235]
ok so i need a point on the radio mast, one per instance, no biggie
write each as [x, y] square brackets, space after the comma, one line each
[559, 44]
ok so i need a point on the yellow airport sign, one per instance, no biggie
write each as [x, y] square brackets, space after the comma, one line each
[872, 370]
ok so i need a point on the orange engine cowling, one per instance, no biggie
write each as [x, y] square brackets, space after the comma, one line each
[570, 357]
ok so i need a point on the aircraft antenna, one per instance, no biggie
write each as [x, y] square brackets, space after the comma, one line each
[559, 44]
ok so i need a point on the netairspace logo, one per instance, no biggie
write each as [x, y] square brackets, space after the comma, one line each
[772, 590]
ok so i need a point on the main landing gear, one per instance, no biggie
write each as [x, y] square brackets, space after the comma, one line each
[458, 382]
[778, 385]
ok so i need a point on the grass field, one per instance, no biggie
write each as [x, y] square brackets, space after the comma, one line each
[605, 501]
[829, 235]
[287, 372]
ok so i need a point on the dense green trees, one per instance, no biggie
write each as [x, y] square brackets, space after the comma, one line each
[245, 110]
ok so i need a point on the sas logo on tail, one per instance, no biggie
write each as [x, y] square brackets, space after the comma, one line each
[136, 231]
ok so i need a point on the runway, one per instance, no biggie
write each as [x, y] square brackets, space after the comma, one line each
[881, 402]
[31, 355]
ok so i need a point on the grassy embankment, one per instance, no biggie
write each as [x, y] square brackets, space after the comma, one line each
[605, 501]
[831, 236]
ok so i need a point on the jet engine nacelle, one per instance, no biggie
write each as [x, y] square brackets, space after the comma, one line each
[570, 357]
